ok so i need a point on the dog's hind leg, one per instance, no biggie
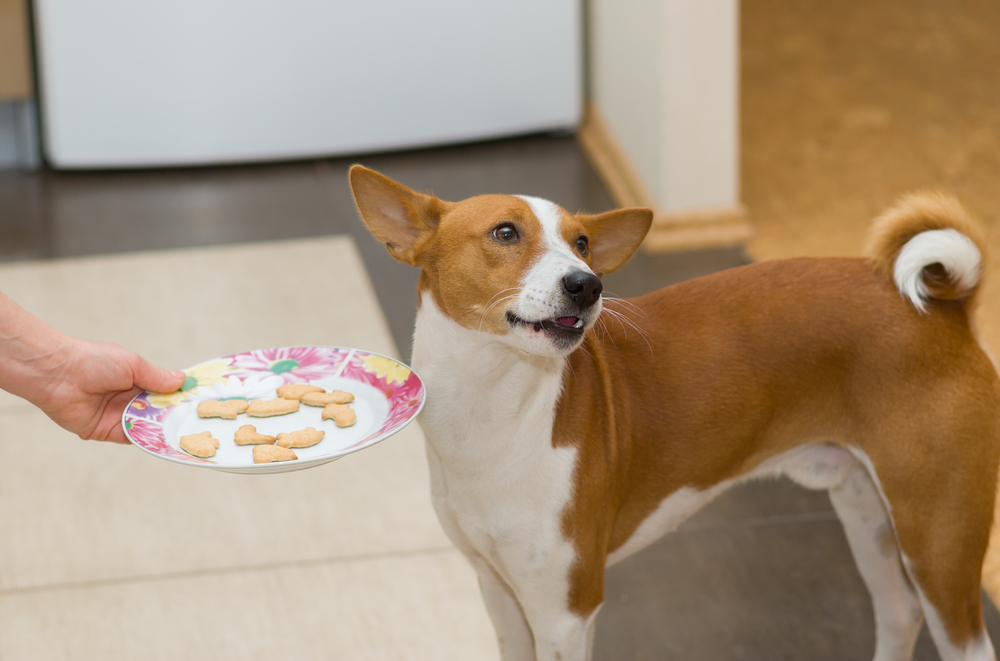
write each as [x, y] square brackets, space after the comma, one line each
[941, 509]
[870, 533]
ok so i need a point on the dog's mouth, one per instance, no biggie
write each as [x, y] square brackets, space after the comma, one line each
[560, 327]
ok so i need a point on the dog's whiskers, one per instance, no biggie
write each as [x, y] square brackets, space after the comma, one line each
[620, 314]
[482, 318]
[625, 322]
[611, 298]
[503, 291]
[516, 290]
[604, 327]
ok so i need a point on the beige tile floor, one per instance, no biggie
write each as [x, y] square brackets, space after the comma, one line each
[108, 553]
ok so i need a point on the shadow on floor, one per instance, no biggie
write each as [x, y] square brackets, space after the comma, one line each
[762, 573]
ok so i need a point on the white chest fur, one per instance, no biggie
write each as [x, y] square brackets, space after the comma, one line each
[498, 485]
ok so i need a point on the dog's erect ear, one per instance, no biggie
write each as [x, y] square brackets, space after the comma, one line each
[615, 235]
[400, 218]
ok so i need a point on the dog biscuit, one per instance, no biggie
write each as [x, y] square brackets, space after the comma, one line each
[342, 414]
[280, 406]
[247, 435]
[327, 398]
[227, 409]
[265, 454]
[296, 390]
[303, 438]
[200, 445]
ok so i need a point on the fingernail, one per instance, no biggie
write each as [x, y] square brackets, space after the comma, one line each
[179, 374]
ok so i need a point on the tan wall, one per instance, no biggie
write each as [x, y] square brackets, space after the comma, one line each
[15, 60]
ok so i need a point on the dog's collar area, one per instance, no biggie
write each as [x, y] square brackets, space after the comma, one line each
[567, 324]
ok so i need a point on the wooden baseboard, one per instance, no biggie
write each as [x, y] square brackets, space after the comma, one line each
[688, 230]
[721, 227]
[612, 165]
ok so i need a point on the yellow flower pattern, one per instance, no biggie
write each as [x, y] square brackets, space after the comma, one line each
[206, 374]
[387, 368]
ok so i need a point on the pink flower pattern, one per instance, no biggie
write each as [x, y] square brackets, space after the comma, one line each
[293, 364]
[404, 399]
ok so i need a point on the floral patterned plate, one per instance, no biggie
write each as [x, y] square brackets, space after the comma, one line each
[388, 395]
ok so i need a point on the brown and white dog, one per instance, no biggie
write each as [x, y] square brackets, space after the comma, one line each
[566, 431]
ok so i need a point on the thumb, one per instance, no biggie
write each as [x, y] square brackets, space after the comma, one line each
[151, 377]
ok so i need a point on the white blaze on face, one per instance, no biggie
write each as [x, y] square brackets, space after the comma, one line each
[542, 294]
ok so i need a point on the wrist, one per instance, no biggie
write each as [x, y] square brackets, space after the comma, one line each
[31, 359]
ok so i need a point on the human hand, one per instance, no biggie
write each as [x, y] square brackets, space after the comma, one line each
[87, 385]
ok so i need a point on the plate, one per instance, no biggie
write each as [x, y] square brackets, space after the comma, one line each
[388, 396]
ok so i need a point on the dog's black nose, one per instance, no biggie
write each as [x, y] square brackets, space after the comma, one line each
[584, 288]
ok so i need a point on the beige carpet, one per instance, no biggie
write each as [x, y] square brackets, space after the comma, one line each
[848, 104]
[108, 553]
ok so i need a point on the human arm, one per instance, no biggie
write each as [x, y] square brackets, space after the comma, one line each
[83, 386]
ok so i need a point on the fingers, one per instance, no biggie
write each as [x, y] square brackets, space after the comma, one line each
[116, 435]
[109, 424]
[151, 377]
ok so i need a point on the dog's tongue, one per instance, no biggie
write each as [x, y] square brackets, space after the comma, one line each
[566, 321]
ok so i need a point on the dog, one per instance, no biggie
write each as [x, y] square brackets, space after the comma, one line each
[566, 430]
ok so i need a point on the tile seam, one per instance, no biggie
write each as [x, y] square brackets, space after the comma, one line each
[224, 571]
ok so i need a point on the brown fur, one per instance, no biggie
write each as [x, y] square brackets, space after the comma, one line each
[746, 364]
[464, 251]
[717, 402]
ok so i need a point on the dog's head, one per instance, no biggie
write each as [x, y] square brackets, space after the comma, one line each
[519, 268]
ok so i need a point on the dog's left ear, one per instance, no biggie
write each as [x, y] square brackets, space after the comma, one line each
[615, 235]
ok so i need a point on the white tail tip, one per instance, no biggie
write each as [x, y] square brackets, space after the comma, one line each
[953, 250]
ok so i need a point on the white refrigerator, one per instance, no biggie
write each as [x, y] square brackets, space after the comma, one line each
[133, 83]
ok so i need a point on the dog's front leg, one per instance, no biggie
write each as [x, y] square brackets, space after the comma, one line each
[560, 632]
[562, 635]
[513, 633]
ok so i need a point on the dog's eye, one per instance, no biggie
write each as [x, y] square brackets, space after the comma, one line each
[505, 234]
[581, 245]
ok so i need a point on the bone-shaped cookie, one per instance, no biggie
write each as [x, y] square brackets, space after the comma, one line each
[327, 398]
[227, 408]
[296, 390]
[280, 406]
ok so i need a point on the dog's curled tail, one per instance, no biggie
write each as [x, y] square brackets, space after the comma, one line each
[931, 247]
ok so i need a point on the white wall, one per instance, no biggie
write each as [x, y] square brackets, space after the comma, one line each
[665, 78]
[128, 83]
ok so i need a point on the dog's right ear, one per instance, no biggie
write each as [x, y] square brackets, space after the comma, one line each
[400, 218]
